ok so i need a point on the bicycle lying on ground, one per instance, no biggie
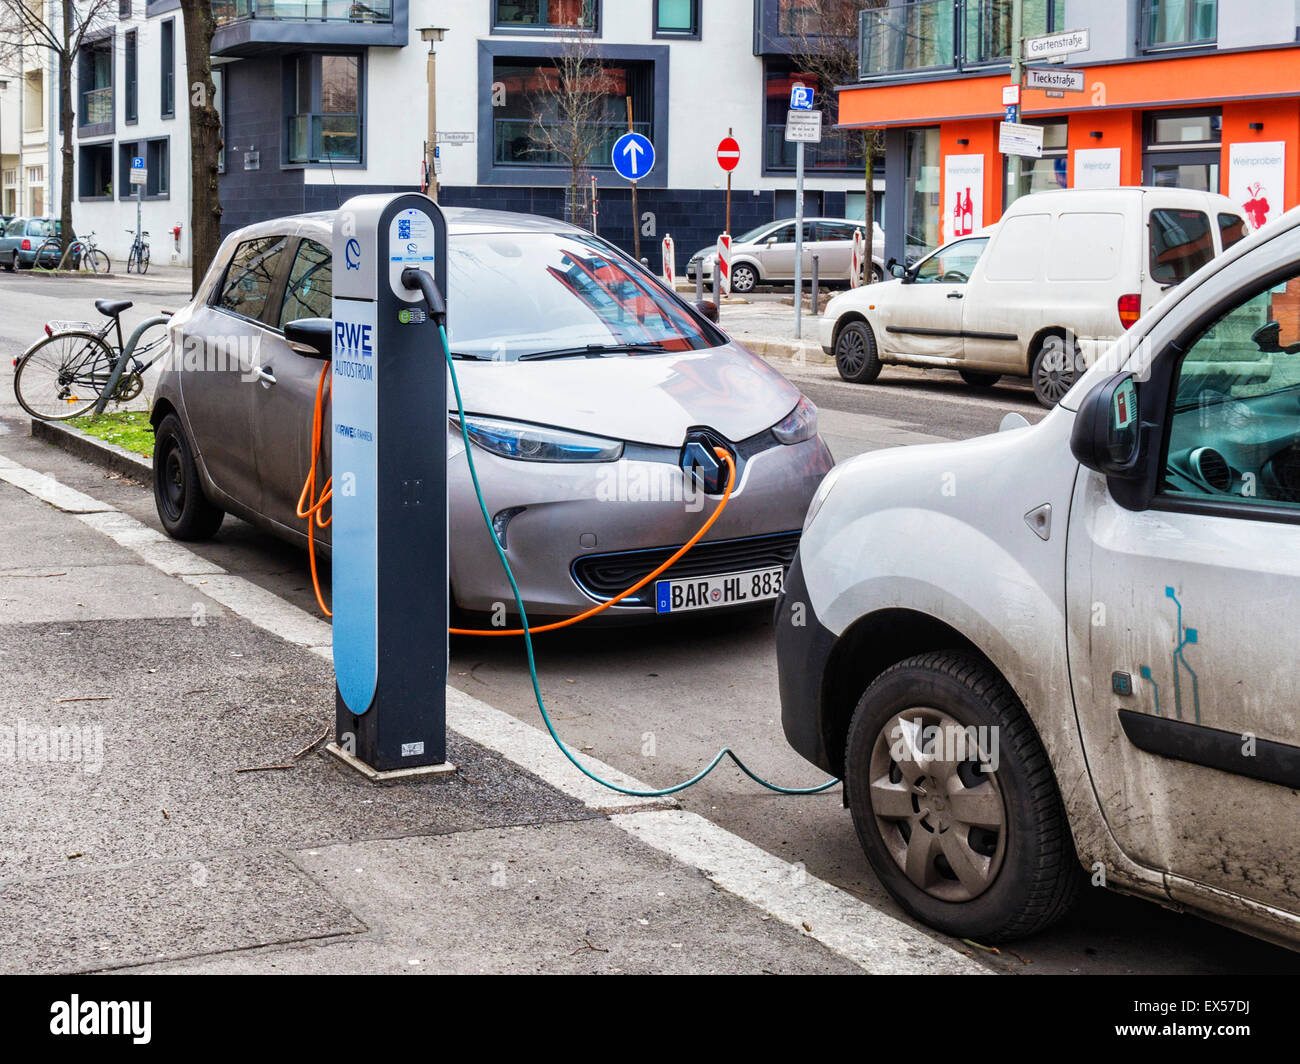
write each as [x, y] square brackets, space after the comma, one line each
[82, 252]
[137, 259]
[75, 368]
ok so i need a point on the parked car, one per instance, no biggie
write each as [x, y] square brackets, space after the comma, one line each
[22, 239]
[1071, 644]
[767, 254]
[582, 401]
[1040, 294]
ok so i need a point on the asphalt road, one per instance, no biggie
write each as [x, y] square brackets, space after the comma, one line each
[659, 701]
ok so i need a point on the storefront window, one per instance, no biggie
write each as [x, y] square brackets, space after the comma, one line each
[1183, 150]
[921, 208]
[1040, 175]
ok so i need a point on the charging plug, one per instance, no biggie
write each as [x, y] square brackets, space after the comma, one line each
[418, 280]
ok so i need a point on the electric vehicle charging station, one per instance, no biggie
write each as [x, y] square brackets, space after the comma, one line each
[389, 465]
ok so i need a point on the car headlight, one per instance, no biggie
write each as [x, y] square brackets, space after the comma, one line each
[821, 495]
[537, 443]
[798, 425]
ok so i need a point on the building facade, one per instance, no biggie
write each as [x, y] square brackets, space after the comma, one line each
[1194, 93]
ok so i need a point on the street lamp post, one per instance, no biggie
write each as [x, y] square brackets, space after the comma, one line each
[432, 34]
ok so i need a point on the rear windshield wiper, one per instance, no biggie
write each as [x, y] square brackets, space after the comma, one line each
[592, 351]
[471, 357]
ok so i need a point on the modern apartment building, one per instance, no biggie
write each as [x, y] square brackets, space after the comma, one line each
[1195, 93]
[323, 99]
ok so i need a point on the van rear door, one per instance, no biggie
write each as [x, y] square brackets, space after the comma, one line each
[1180, 240]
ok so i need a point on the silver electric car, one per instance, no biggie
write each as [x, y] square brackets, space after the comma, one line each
[594, 396]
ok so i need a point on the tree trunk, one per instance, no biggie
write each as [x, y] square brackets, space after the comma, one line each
[206, 144]
[66, 117]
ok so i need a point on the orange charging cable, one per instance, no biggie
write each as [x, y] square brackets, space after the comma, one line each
[310, 509]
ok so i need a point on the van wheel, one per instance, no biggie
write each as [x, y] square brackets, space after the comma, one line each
[184, 510]
[1056, 367]
[955, 803]
[979, 380]
[855, 353]
[743, 278]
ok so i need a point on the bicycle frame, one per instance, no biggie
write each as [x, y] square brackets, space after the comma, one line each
[126, 350]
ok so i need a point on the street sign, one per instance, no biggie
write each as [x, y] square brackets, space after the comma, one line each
[139, 175]
[729, 154]
[801, 98]
[456, 138]
[1051, 45]
[1054, 79]
[803, 127]
[1010, 95]
[1017, 139]
[633, 156]
[437, 158]
[1012, 113]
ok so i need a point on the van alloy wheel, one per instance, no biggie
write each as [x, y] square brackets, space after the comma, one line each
[1056, 367]
[940, 813]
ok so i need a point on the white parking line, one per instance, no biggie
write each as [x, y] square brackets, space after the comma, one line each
[848, 927]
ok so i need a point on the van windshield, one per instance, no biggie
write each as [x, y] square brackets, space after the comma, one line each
[520, 294]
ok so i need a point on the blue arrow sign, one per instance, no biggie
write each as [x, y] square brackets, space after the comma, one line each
[801, 98]
[634, 156]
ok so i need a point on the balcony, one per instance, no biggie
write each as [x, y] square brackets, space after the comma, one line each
[96, 107]
[259, 27]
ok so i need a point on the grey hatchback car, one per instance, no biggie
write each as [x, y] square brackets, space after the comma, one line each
[22, 238]
[586, 384]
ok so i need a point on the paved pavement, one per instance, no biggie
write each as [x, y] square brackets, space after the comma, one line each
[655, 702]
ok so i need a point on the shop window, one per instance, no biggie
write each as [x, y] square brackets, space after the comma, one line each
[326, 100]
[677, 18]
[1179, 23]
[545, 15]
[1183, 150]
[1040, 175]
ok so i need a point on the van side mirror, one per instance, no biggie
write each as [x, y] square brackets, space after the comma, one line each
[709, 309]
[1107, 433]
[313, 337]
[896, 269]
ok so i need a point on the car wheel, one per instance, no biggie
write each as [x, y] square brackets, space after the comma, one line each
[184, 510]
[979, 380]
[12, 264]
[877, 275]
[744, 278]
[855, 353]
[1055, 368]
[954, 800]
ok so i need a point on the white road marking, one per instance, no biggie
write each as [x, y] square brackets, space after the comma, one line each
[864, 935]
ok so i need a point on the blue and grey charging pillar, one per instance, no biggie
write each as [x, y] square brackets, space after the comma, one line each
[389, 450]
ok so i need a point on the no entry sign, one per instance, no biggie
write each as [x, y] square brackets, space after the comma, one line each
[729, 154]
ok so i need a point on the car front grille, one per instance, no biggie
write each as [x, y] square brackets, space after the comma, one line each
[602, 576]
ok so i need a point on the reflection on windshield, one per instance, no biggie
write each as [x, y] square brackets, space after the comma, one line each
[515, 294]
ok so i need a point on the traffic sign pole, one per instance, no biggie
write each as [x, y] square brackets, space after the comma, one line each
[636, 216]
[1017, 77]
[798, 241]
[730, 132]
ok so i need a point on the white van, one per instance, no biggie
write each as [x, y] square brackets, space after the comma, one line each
[1040, 294]
[1073, 644]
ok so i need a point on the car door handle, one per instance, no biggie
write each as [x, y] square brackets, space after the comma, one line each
[955, 295]
[266, 376]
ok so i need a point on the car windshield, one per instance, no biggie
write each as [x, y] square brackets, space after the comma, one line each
[520, 294]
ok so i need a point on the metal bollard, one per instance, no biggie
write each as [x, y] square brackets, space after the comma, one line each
[699, 283]
[815, 278]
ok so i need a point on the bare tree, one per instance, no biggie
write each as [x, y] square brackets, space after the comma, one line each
[62, 28]
[826, 47]
[205, 138]
[568, 115]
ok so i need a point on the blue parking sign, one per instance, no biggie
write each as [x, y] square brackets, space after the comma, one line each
[801, 98]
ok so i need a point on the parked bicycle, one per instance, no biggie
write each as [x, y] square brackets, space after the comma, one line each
[83, 252]
[76, 368]
[137, 259]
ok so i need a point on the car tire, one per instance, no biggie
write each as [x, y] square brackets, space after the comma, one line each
[856, 356]
[744, 278]
[877, 274]
[1011, 843]
[183, 508]
[979, 380]
[12, 264]
[1055, 368]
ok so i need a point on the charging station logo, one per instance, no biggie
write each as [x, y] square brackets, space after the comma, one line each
[352, 254]
[354, 353]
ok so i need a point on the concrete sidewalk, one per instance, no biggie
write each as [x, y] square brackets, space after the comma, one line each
[167, 804]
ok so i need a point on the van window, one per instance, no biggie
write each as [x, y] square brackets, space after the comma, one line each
[310, 286]
[250, 276]
[1180, 244]
[1017, 253]
[1231, 229]
[953, 263]
[1087, 247]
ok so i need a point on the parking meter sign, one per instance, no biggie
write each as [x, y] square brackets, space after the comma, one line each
[139, 175]
[801, 98]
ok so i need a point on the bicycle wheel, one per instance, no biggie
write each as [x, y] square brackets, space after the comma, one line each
[144, 259]
[98, 261]
[63, 375]
[49, 255]
[133, 259]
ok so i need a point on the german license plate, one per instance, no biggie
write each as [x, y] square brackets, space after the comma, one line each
[730, 589]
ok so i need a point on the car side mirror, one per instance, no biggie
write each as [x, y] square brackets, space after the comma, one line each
[1107, 433]
[770, 241]
[897, 269]
[709, 309]
[313, 337]
[1268, 337]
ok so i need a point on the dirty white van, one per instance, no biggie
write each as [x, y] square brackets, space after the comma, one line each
[1040, 294]
[1071, 646]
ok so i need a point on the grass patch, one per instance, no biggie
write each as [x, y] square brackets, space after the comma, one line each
[128, 428]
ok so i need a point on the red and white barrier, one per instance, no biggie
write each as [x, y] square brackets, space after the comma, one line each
[859, 257]
[722, 272]
[670, 261]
